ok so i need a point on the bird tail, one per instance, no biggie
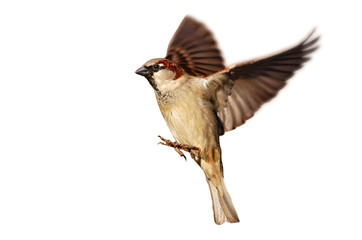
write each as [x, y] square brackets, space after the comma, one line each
[222, 204]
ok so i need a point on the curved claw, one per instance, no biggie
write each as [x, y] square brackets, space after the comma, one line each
[177, 146]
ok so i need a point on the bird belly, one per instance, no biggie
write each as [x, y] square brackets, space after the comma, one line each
[192, 122]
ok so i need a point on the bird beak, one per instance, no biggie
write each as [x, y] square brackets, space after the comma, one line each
[144, 72]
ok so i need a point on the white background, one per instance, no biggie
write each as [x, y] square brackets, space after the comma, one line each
[78, 129]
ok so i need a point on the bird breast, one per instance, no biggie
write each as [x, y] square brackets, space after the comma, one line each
[189, 116]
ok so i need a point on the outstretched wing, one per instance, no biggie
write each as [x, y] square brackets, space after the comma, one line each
[242, 89]
[194, 49]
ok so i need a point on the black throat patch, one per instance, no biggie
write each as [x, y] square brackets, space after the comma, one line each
[154, 85]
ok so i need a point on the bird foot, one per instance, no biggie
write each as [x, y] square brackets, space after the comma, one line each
[178, 146]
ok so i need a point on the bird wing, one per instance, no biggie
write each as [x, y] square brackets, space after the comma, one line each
[194, 48]
[241, 90]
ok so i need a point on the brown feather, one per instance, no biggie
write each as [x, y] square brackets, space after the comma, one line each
[256, 82]
[194, 48]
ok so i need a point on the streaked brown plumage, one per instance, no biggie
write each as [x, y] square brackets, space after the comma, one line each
[201, 99]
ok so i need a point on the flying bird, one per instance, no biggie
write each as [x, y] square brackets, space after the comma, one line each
[201, 99]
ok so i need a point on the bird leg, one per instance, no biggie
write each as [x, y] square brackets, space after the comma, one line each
[178, 146]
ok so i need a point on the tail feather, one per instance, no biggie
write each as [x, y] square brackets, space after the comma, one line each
[223, 207]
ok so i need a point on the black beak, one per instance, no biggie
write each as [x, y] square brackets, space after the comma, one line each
[144, 72]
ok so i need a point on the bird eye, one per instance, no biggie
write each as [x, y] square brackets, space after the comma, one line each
[156, 66]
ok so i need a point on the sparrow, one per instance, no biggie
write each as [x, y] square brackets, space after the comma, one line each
[201, 99]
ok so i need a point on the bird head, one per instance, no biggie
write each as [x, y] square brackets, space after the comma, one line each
[163, 74]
